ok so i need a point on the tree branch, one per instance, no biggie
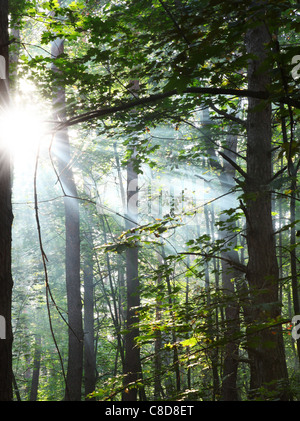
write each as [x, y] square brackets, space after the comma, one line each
[227, 115]
[237, 265]
[103, 112]
[231, 162]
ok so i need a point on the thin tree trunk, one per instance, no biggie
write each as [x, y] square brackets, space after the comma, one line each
[6, 218]
[213, 354]
[36, 369]
[293, 253]
[89, 347]
[158, 391]
[16, 389]
[231, 358]
[229, 275]
[72, 262]
[114, 308]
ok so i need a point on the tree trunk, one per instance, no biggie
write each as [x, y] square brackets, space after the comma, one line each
[132, 363]
[89, 348]
[231, 357]
[36, 369]
[158, 391]
[229, 276]
[213, 353]
[6, 217]
[266, 349]
[114, 306]
[72, 256]
[293, 253]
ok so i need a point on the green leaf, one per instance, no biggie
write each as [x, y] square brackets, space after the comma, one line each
[189, 342]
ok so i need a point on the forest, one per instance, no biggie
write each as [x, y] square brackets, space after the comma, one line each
[149, 192]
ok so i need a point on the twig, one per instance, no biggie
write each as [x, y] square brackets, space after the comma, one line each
[239, 266]
[45, 260]
[181, 33]
[227, 115]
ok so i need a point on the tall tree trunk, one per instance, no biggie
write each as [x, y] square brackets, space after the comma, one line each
[293, 252]
[229, 275]
[212, 354]
[231, 357]
[72, 256]
[132, 363]
[266, 349]
[6, 217]
[158, 391]
[89, 347]
[115, 314]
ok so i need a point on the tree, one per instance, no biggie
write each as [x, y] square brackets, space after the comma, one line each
[89, 337]
[36, 370]
[6, 218]
[132, 362]
[266, 350]
[72, 232]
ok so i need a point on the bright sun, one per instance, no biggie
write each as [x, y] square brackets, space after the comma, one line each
[23, 126]
[22, 129]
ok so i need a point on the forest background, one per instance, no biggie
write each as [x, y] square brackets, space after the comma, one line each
[155, 159]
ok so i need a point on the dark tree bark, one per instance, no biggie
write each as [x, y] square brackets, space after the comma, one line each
[6, 217]
[72, 250]
[266, 349]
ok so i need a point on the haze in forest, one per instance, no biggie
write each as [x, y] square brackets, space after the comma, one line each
[149, 201]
